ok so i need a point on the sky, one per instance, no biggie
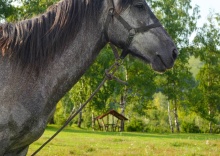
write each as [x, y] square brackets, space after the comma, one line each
[205, 7]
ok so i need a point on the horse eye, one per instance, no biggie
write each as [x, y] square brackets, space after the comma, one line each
[139, 6]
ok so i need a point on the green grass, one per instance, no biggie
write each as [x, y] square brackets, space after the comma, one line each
[73, 141]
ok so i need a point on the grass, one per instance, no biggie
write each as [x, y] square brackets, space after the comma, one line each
[73, 141]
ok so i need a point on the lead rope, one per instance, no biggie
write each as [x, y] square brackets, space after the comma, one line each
[109, 75]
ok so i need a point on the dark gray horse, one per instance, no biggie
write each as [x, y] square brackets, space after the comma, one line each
[43, 57]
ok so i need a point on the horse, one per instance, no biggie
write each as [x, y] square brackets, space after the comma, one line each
[44, 56]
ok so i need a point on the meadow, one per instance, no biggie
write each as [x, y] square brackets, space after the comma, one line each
[81, 142]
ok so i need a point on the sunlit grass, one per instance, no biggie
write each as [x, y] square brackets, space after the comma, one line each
[73, 141]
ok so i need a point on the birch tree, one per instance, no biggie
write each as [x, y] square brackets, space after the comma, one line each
[208, 50]
[180, 23]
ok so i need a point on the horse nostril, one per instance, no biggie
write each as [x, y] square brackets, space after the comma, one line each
[175, 54]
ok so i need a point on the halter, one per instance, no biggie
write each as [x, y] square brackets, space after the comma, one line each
[132, 31]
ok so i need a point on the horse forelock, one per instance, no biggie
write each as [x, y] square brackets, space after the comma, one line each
[33, 42]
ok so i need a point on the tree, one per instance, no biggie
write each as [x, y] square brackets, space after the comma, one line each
[25, 9]
[6, 9]
[175, 16]
[30, 8]
[136, 96]
[208, 50]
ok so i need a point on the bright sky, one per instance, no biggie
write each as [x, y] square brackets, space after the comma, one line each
[205, 6]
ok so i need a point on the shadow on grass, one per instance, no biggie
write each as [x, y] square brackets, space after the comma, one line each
[189, 136]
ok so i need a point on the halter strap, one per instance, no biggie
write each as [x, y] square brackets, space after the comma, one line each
[132, 31]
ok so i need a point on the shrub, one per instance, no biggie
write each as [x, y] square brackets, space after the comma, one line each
[135, 125]
[190, 127]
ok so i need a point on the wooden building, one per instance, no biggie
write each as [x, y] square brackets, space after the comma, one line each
[110, 121]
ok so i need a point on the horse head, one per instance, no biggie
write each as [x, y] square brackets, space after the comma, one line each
[133, 27]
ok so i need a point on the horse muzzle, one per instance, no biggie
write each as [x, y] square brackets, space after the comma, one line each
[161, 63]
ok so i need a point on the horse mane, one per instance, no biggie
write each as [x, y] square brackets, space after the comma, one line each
[32, 42]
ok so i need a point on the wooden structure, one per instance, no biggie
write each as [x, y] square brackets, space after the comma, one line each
[110, 121]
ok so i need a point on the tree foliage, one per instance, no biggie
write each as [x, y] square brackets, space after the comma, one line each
[207, 48]
[32, 8]
[6, 9]
[180, 24]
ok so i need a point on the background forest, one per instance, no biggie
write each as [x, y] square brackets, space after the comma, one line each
[183, 99]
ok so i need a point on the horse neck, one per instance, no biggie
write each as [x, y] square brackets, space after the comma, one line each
[65, 70]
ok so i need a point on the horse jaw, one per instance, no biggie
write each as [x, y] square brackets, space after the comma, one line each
[155, 49]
